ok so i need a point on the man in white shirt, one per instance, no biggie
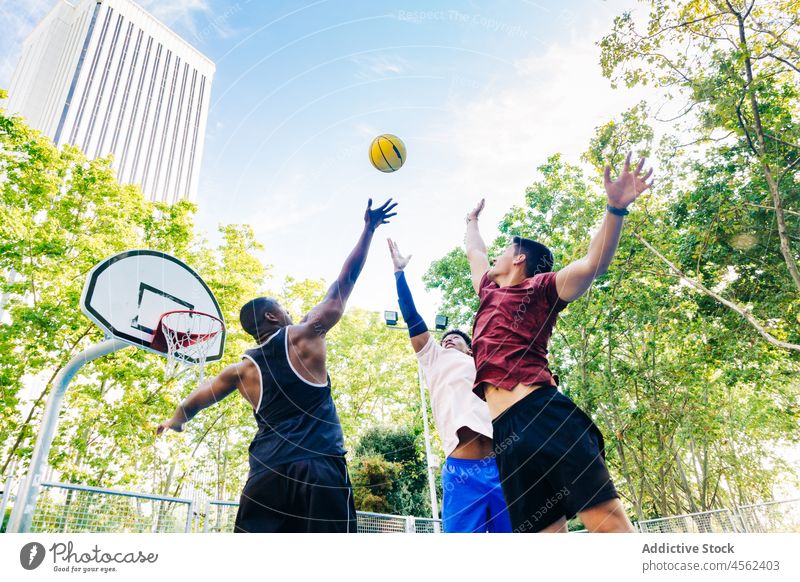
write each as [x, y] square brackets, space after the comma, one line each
[473, 498]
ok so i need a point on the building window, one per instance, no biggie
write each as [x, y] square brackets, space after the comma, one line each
[114, 89]
[156, 119]
[125, 97]
[194, 137]
[102, 89]
[176, 131]
[73, 136]
[143, 124]
[136, 101]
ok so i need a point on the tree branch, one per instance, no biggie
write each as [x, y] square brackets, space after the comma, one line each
[792, 212]
[729, 304]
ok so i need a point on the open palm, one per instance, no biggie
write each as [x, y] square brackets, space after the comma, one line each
[378, 216]
[628, 185]
[399, 260]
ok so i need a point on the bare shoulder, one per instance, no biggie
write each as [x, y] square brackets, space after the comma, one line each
[305, 339]
[239, 371]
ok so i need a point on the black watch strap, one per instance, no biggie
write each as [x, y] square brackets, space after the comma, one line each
[617, 211]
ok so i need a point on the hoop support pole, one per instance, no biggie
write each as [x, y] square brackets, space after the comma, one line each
[24, 505]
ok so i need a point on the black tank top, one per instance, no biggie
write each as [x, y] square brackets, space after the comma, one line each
[296, 418]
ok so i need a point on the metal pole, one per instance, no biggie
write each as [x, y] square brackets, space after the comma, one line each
[431, 478]
[22, 514]
[189, 517]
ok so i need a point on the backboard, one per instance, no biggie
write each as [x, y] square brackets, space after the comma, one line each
[126, 295]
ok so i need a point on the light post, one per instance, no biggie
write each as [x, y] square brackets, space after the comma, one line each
[391, 319]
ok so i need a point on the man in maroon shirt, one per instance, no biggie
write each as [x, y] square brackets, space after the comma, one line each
[549, 453]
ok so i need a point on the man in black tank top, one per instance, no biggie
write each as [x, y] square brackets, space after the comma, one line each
[298, 480]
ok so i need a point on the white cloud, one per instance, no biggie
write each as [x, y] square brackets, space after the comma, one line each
[176, 11]
[554, 102]
[373, 66]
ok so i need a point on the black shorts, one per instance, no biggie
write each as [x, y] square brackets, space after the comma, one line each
[551, 460]
[309, 495]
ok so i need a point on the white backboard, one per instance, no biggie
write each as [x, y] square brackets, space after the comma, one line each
[126, 295]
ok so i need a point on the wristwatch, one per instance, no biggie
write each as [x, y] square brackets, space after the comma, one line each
[617, 211]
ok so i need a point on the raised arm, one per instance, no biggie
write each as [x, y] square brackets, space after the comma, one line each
[209, 393]
[475, 247]
[328, 313]
[417, 328]
[575, 279]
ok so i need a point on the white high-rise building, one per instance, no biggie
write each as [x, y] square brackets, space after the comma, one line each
[108, 77]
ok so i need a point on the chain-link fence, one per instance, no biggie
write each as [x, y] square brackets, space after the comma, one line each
[427, 525]
[63, 507]
[771, 517]
[720, 520]
[382, 523]
[219, 516]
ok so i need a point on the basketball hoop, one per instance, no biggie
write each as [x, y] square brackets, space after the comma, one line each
[186, 337]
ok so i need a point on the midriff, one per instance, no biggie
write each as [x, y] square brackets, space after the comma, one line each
[471, 445]
[501, 399]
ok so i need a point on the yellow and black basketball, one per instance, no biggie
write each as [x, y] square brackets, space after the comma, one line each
[387, 153]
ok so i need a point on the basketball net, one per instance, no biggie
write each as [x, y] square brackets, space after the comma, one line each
[186, 337]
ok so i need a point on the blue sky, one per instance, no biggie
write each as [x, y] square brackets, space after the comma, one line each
[481, 93]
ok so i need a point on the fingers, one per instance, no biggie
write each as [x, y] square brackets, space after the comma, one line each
[369, 204]
[389, 215]
[383, 206]
[627, 166]
[639, 167]
[647, 175]
[388, 208]
[607, 175]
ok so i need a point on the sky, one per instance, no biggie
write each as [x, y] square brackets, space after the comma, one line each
[481, 92]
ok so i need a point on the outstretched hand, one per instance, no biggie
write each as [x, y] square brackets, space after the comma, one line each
[476, 212]
[173, 424]
[399, 260]
[381, 215]
[628, 185]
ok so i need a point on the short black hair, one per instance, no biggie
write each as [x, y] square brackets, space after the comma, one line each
[538, 258]
[459, 333]
[252, 314]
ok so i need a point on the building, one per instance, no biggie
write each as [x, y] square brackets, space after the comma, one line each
[107, 77]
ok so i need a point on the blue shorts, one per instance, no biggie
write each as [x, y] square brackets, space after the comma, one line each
[473, 499]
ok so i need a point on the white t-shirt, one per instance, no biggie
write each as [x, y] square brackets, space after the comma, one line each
[450, 375]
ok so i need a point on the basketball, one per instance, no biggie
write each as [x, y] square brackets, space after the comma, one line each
[387, 153]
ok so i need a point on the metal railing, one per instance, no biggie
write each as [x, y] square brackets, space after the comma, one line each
[369, 522]
[720, 520]
[64, 507]
[771, 517]
[221, 515]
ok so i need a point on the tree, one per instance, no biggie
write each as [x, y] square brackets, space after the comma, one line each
[389, 472]
[731, 65]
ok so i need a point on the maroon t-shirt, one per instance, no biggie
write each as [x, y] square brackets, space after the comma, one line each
[511, 331]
